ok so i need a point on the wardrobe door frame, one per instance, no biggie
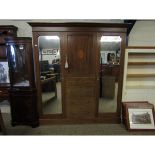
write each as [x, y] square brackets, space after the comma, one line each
[36, 35]
[113, 116]
[71, 78]
[61, 29]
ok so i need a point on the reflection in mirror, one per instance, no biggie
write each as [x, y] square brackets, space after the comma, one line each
[109, 73]
[50, 76]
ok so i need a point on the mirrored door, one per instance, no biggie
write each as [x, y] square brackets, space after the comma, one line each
[50, 74]
[109, 69]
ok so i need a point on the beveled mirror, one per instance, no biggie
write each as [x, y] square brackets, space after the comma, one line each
[50, 74]
[110, 50]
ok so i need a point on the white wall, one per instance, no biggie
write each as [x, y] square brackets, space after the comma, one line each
[142, 34]
[25, 30]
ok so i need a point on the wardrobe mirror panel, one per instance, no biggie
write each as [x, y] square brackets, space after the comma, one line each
[110, 51]
[50, 74]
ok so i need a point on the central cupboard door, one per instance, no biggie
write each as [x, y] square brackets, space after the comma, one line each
[80, 76]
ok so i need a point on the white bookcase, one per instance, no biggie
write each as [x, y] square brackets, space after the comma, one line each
[139, 74]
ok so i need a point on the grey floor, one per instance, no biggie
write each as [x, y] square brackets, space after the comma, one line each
[55, 106]
[107, 104]
[74, 129]
[67, 129]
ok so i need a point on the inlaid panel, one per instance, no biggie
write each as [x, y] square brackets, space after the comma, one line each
[80, 54]
[80, 77]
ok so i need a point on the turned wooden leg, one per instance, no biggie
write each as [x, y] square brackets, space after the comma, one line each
[2, 126]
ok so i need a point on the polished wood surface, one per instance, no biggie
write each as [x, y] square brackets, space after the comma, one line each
[23, 98]
[80, 98]
[23, 108]
[80, 54]
[3, 54]
[80, 43]
[29, 65]
[5, 31]
[79, 27]
[80, 76]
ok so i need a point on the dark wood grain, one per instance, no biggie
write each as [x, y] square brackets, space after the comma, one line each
[81, 54]
[80, 42]
[80, 98]
[23, 99]
[23, 107]
[5, 31]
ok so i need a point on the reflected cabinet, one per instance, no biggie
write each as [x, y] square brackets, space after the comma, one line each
[81, 65]
[23, 99]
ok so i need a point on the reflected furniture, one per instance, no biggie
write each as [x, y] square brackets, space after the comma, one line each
[44, 66]
[48, 83]
[23, 97]
[5, 31]
[46, 71]
[109, 74]
[108, 87]
[49, 90]
[111, 70]
[56, 68]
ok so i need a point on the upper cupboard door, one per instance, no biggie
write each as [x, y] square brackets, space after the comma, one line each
[80, 54]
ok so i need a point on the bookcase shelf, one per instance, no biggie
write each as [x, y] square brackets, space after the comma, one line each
[140, 86]
[137, 54]
[139, 74]
[141, 63]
